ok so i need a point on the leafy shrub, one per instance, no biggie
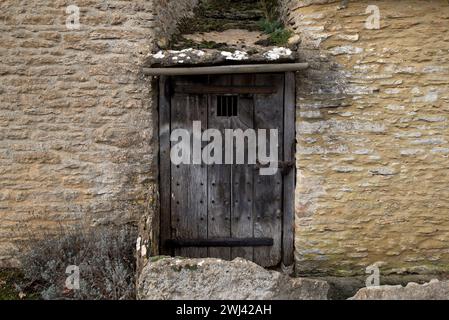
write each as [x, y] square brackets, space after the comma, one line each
[271, 24]
[277, 34]
[105, 259]
[280, 36]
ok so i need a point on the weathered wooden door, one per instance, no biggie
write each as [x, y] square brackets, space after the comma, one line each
[227, 210]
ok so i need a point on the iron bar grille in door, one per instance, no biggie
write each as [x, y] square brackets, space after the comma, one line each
[227, 105]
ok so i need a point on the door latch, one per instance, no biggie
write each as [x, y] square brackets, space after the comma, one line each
[283, 166]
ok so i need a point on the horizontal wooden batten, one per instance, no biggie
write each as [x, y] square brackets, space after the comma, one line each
[204, 89]
[228, 69]
[222, 242]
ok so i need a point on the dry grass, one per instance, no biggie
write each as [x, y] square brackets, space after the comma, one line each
[105, 259]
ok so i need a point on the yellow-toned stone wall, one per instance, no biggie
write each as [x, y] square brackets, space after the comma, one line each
[372, 132]
[76, 122]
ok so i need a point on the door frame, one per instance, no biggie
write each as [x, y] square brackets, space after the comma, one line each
[289, 180]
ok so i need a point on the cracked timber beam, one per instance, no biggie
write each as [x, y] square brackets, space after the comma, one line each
[228, 69]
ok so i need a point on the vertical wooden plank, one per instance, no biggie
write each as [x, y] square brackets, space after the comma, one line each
[189, 181]
[242, 175]
[164, 164]
[289, 179]
[268, 189]
[219, 179]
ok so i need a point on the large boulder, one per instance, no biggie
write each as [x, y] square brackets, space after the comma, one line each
[215, 279]
[433, 290]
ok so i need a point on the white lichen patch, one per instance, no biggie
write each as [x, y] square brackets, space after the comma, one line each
[236, 55]
[159, 55]
[178, 56]
[196, 52]
[277, 53]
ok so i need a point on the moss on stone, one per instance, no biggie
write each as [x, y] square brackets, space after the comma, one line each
[191, 267]
[179, 268]
[157, 258]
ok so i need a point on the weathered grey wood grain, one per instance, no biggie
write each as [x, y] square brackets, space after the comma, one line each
[221, 242]
[229, 201]
[189, 181]
[268, 189]
[219, 181]
[242, 175]
[234, 89]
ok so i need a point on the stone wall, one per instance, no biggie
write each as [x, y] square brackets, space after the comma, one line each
[372, 131]
[76, 124]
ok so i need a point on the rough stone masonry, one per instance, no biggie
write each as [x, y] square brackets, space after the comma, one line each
[78, 129]
[372, 132]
